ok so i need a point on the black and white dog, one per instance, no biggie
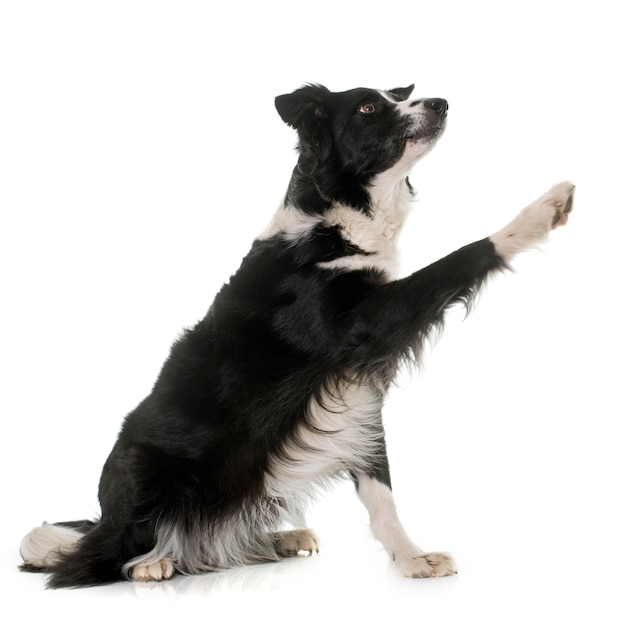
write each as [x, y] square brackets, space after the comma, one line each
[279, 389]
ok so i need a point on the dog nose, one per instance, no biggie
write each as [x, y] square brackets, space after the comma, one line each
[438, 105]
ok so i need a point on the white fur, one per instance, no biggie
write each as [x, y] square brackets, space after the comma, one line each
[384, 520]
[407, 558]
[531, 227]
[245, 537]
[415, 150]
[42, 546]
[342, 433]
[289, 222]
[375, 235]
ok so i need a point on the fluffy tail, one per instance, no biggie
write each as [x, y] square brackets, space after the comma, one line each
[77, 554]
[44, 545]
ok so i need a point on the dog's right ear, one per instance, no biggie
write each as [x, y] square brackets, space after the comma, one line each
[306, 110]
[402, 93]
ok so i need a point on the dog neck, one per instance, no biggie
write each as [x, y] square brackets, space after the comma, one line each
[375, 230]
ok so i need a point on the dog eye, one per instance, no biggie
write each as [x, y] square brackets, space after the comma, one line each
[368, 108]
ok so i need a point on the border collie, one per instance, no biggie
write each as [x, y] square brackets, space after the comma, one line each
[278, 390]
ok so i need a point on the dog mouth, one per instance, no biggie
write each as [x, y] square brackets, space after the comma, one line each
[428, 123]
[428, 132]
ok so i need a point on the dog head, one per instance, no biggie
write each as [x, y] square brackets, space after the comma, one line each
[349, 138]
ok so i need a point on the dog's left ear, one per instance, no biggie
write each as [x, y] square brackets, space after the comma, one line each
[303, 106]
[306, 110]
[402, 93]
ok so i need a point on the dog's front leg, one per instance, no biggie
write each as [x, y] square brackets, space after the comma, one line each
[392, 321]
[407, 558]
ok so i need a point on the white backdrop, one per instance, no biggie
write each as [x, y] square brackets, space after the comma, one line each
[140, 153]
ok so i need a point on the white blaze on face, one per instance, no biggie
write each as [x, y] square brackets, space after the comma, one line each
[421, 139]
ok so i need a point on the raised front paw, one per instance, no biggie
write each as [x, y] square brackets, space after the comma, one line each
[428, 565]
[557, 203]
[533, 224]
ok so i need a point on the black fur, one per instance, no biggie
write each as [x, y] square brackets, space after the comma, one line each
[236, 386]
[340, 152]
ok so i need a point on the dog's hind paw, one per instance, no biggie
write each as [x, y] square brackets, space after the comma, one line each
[429, 565]
[296, 542]
[160, 570]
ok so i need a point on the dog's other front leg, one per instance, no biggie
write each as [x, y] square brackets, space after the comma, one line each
[374, 489]
[407, 558]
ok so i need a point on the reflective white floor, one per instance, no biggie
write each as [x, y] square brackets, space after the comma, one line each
[501, 580]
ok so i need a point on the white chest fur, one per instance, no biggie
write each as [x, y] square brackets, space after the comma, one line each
[341, 433]
[376, 233]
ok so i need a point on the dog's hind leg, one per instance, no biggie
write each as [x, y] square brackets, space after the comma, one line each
[407, 558]
[299, 542]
